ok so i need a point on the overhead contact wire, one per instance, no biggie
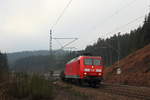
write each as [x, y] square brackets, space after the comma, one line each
[61, 14]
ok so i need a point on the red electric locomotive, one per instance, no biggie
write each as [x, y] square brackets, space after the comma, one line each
[84, 69]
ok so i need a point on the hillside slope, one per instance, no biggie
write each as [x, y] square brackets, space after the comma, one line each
[13, 57]
[135, 69]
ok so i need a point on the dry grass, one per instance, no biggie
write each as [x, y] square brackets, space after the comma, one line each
[135, 69]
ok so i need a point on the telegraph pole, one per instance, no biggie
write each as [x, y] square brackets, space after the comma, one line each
[50, 44]
[118, 48]
[119, 71]
[118, 53]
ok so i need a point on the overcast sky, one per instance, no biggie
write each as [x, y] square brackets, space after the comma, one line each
[25, 24]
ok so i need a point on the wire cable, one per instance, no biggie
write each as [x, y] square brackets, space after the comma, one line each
[116, 12]
[126, 24]
[61, 14]
[121, 27]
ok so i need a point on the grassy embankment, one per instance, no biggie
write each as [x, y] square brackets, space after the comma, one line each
[30, 87]
[35, 87]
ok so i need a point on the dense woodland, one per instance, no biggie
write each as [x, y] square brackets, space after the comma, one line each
[111, 49]
[3, 67]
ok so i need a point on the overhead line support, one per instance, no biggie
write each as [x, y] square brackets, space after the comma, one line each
[50, 42]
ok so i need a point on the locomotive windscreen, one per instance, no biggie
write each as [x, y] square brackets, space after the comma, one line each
[92, 62]
[88, 61]
[96, 62]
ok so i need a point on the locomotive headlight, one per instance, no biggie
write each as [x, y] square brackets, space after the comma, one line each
[98, 70]
[86, 70]
[99, 74]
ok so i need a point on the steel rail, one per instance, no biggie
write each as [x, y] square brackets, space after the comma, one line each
[3, 90]
[125, 90]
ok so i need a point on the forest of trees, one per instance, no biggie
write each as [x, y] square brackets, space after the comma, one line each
[3, 67]
[119, 46]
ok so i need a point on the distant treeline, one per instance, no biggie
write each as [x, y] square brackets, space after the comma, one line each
[121, 45]
[41, 63]
[3, 67]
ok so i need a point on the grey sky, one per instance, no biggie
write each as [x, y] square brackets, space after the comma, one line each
[25, 24]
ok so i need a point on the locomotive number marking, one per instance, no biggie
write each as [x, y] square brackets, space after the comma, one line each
[92, 70]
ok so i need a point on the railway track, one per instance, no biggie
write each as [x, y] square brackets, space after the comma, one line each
[140, 93]
[129, 91]
[3, 90]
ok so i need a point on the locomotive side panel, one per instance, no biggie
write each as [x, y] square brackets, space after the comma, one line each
[73, 69]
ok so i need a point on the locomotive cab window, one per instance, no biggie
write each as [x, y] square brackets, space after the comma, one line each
[96, 62]
[92, 62]
[88, 61]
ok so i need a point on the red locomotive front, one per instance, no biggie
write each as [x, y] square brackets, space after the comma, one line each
[85, 68]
